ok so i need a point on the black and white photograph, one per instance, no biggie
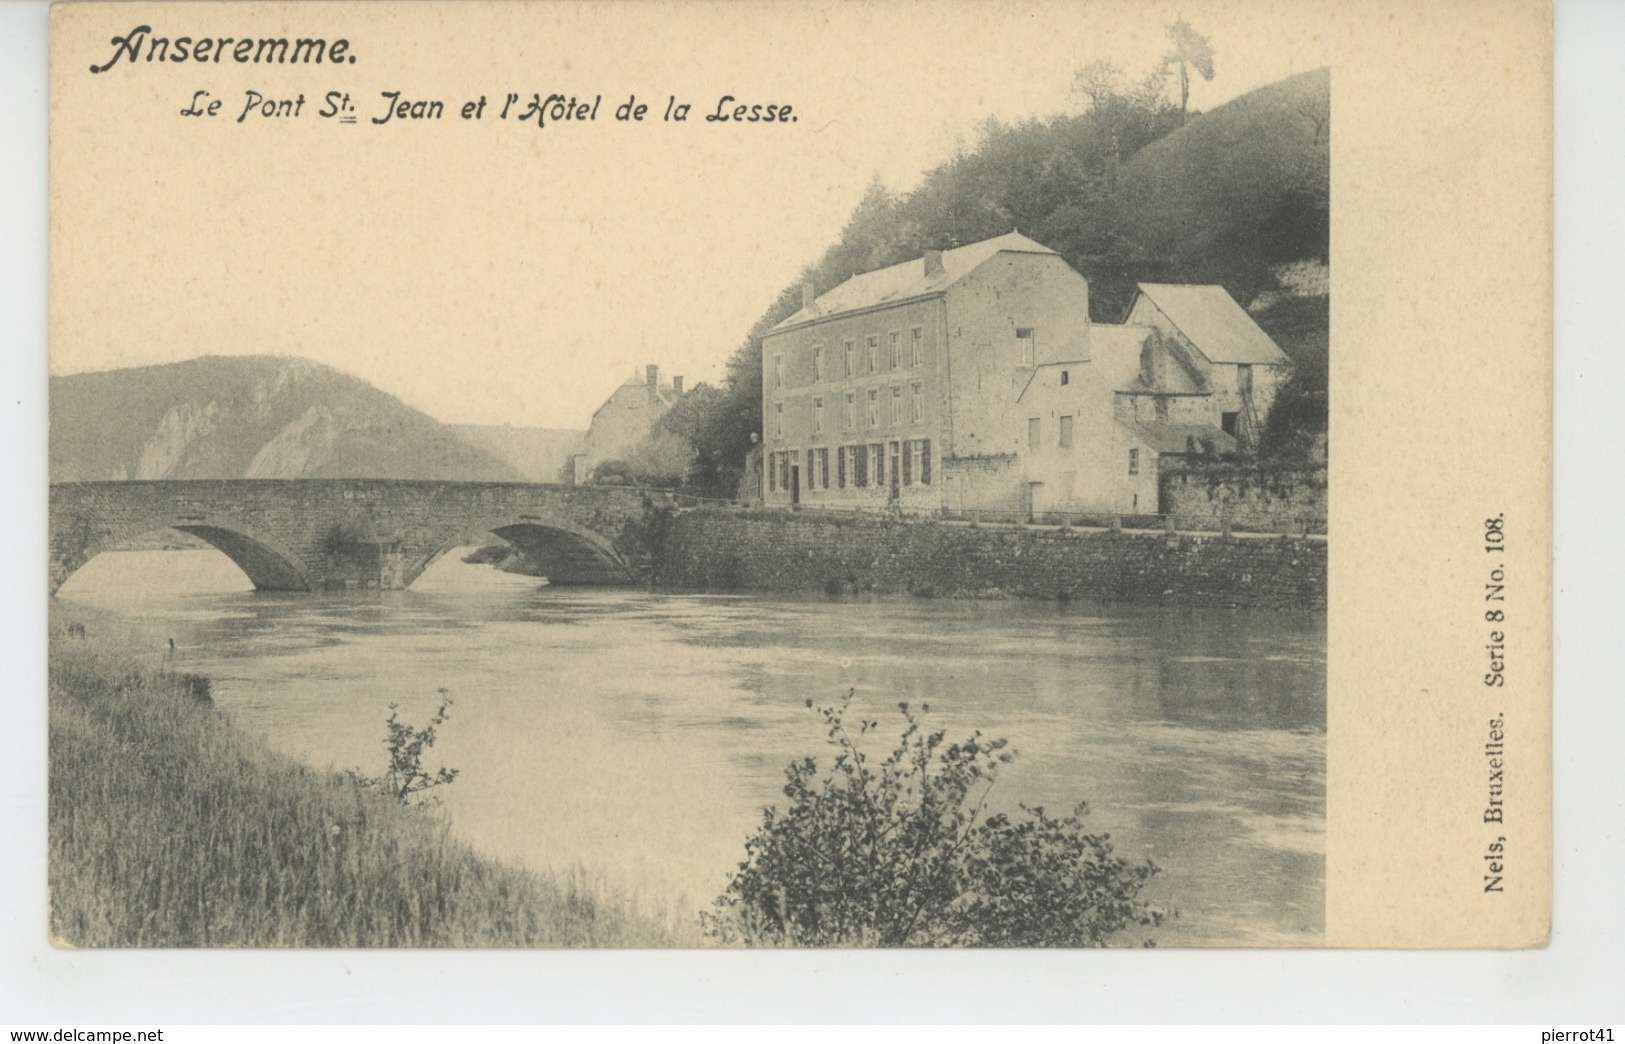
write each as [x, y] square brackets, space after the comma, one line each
[860, 480]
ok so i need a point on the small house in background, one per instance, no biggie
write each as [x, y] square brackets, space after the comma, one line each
[623, 421]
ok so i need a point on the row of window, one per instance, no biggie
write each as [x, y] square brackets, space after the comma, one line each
[858, 466]
[898, 356]
[911, 411]
[1035, 432]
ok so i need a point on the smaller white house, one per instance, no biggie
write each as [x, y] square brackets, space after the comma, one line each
[1188, 375]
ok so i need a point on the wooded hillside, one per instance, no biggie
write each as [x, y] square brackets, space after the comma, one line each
[1131, 189]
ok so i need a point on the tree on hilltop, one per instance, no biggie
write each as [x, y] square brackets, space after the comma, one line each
[1191, 50]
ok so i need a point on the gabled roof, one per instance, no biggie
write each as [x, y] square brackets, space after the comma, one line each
[666, 393]
[909, 279]
[1178, 438]
[1212, 321]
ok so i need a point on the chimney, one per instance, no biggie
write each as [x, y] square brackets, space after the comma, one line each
[652, 379]
[809, 295]
[677, 385]
[933, 263]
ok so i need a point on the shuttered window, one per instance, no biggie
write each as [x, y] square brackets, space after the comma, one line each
[925, 462]
[840, 467]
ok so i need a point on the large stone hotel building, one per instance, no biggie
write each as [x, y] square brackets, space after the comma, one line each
[972, 379]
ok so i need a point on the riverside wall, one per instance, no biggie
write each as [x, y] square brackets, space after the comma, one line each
[723, 549]
[1248, 494]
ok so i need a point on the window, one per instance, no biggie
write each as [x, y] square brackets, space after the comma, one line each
[849, 361]
[895, 351]
[917, 403]
[773, 473]
[778, 371]
[874, 352]
[910, 466]
[925, 461]
[1024, 334]
[818, 362]
[1133, 462]
[823, 469]
[1066, 378]
[1227, 421]
[916, 348]
[849, 412]
[811, 472]
[784, 471]
[897, 405]
[1066, 432]
[896, 462]
[872, 417]
[877, 464]
[1035, 431]
[841, 468]
[858, 465]
[918, 455]
[818, 414]
[778, 420]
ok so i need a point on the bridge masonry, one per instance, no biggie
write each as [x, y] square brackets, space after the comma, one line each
[326, 534]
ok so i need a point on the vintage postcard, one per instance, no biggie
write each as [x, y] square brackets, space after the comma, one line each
[881, 474]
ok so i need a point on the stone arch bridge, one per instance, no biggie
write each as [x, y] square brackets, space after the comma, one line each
[325, 534]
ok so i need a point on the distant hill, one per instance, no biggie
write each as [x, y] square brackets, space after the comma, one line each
[249, 417]
[538, 454]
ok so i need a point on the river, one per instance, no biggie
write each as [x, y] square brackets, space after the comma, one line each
[635, 736]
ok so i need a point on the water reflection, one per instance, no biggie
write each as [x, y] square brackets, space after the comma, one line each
[639, 734]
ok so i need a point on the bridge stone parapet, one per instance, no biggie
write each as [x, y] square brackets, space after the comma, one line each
[321, 534]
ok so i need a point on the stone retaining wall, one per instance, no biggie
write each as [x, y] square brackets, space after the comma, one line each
[1248, 494]
[732, 550]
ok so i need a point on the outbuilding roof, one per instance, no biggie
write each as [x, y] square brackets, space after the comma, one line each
[1180, 438]
[1212, 321]
[910, 279]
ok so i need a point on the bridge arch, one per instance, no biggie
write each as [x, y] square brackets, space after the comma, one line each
[572, 554]
[269, 564]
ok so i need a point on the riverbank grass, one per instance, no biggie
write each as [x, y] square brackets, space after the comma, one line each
[168, 827]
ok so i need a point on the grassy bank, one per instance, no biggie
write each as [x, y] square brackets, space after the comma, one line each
[170, 828]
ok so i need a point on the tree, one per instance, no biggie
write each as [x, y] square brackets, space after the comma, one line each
[406, 776]
[1191, 50]
[899, 854]
[1129, 115]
